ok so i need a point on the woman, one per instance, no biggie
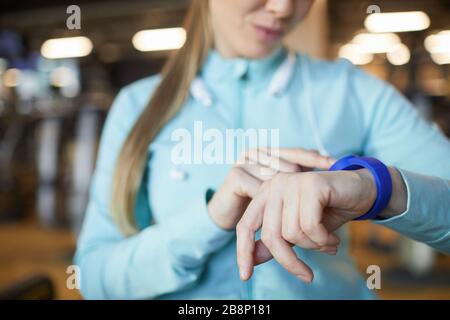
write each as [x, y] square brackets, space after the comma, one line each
[164, 230]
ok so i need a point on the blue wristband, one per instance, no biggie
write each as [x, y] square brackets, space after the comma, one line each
[381, 176]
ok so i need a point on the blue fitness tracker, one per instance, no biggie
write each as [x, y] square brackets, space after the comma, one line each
[380, 174]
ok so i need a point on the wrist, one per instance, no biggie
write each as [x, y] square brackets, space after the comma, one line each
[219, 214]
[381, 178]
[398, 201]
[368, 188]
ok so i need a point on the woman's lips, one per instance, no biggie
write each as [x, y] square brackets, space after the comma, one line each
[268, 34]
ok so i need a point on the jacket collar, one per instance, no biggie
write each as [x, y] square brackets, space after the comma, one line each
[276, 70]
[217, 67]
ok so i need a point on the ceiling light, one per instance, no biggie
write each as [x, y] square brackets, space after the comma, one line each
[355, 55]
[63, 77]
[376, 42]
[73, 47]
[397, 21]
[438, 43]
[159, 39]
[11, 77]
[441, 58]
[399, 56]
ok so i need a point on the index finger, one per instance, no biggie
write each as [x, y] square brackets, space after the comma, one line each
[250, 222]
[303, 157]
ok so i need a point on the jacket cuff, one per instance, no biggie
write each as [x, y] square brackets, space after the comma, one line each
[426, 218]
[195, 235]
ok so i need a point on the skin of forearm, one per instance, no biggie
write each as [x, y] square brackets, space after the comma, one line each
[398, 201]
[399, 197]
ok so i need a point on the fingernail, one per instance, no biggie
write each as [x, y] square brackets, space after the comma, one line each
[243, 274]
[304, 278]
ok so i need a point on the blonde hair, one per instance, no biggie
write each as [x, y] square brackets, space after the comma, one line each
[168, 98]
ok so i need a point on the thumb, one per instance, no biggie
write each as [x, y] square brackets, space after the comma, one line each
[245, 184]
[261, 253]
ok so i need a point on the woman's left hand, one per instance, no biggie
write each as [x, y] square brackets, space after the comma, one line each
[302, 209]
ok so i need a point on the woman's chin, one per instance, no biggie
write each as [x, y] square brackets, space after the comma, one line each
[259, 51]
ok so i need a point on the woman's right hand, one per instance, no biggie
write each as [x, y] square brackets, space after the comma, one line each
[255, 166]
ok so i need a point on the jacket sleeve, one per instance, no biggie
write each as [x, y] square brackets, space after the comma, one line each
[400, 137]
[427, 215]
[162, 258]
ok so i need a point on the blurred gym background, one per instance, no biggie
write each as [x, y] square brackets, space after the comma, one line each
[57, 83]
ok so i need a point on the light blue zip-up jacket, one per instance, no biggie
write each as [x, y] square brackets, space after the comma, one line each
[181, 254]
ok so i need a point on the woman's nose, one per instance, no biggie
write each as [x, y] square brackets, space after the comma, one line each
[280, 8]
